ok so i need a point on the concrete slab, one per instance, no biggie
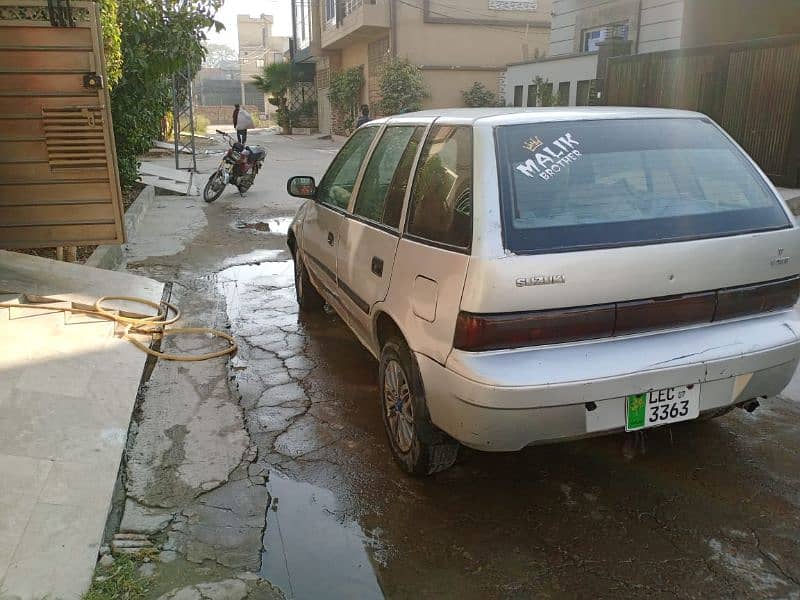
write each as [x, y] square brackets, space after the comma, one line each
[22, 273]
[67, 391]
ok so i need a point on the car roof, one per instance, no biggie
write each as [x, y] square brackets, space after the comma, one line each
[514, 115]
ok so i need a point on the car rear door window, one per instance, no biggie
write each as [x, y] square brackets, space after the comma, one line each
[440, 209]
[616, 182]
[337, 186]
[383, 187]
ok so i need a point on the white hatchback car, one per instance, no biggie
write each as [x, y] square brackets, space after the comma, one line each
[536, 276]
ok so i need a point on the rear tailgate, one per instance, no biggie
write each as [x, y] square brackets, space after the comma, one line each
[614, 210]
[633, 273]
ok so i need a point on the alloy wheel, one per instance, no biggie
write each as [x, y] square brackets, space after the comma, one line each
[399, 406]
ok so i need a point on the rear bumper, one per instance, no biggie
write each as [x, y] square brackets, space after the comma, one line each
[503, 401]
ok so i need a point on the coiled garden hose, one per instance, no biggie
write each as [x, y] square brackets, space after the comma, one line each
[155, 325]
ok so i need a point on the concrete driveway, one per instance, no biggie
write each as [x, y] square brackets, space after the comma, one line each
[276, 463]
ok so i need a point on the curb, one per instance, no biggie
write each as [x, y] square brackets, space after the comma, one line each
[110, 257]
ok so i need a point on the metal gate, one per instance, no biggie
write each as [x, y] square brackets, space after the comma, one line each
[59, 184]
[752, 89]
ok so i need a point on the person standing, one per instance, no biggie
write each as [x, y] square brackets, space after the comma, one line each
[241, 130]
[364, 118]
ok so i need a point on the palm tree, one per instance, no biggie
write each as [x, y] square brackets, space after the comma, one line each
[276, 79]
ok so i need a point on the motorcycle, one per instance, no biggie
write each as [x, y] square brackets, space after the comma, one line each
[239, 166]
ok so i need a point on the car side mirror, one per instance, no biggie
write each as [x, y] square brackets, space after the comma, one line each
[302, 187]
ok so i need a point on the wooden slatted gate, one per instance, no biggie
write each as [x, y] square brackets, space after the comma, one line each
[752, 89]
[59, 184]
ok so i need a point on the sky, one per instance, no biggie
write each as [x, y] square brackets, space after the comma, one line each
[280, 9]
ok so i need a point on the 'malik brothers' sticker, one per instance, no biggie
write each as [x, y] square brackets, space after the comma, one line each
[547, 163]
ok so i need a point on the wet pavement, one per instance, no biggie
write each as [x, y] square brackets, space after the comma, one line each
[279, 465]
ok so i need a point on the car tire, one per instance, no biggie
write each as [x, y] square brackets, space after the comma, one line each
[417, 444]
[308, 298]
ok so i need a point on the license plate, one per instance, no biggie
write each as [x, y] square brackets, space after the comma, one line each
[661, 407]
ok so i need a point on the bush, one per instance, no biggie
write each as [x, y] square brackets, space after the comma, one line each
[112, 41]
[202, 123]
[479, 96]
[345, 94]
[158, 39]
[402, 87]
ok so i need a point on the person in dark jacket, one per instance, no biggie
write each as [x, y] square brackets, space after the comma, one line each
[364, 118]
[241, 134]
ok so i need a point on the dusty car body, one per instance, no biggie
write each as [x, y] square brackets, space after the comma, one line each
[535, 276]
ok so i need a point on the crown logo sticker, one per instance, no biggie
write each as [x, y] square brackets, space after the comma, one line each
[533, 144]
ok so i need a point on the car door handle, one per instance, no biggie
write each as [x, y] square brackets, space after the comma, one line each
[331, 239]
[377, 266]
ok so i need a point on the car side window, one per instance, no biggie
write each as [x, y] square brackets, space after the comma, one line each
[336, 187]
[441, 199]
[383, 187]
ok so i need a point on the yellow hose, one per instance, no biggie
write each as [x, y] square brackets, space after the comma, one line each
[145, 325]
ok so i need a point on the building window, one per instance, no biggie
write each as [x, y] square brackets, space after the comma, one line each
[592, 37]
[563, 93]
[582, 93]
[517, 95]
[532, 95]
[260, 63]
[330, 10]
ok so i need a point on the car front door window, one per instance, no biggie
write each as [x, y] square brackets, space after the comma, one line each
[337, 186]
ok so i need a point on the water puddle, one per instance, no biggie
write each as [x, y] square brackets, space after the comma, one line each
[248, 288]
[309, 552]
[254, 257]
[278, 226]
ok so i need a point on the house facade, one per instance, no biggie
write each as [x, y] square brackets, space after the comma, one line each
[584, 33]
[257, 49]
[455, 42]
[257, 46]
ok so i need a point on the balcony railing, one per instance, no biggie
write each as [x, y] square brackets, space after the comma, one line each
[342, 8]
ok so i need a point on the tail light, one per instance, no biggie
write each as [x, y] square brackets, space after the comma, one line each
[754, 299]
[517, 330]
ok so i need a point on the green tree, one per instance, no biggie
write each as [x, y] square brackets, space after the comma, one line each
[276, 79]
[544, 92]
[345, 94]
[220, 56]
[402, 87]
[112, 41]
[158, 39]
[479, 96]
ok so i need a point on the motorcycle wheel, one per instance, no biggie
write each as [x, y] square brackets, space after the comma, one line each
[214, 187]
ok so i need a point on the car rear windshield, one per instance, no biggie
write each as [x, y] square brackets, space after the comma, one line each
[588, 184]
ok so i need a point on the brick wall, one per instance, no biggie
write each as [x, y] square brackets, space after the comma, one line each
[222, 114]
[377, 56]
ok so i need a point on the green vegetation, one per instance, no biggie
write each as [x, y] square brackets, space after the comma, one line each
[202, 123]
[478, 96]
[277, 79]
[157, 40]
[120, 581]
[402, 87]
[112, 40]
[345, 95]
[544, 92]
